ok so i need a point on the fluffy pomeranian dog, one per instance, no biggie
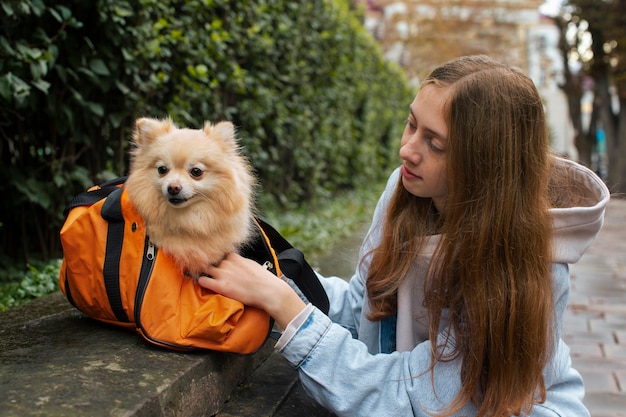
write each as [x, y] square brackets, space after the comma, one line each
[194, 190]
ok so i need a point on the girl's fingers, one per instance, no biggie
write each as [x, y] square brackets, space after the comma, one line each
[245, 280]
[238, 278]
[206, 282]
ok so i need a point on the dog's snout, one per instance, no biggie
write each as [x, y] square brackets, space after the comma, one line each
[174, 188]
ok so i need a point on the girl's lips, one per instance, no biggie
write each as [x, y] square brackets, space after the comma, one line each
[407, 174]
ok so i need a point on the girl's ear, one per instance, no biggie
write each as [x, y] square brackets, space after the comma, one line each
[148, 129]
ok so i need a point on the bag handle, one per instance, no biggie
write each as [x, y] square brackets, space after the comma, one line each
[94, 194]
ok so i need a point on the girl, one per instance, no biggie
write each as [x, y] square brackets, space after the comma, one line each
[456, 306]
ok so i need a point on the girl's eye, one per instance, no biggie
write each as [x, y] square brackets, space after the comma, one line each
[410, 128]
[195, 172]
[162, 170]
[433, 145]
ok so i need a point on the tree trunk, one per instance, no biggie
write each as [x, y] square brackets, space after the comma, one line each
[607, 121]
[621, 151]
[572, 87]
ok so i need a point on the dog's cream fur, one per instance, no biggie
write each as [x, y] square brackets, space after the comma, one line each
[194, 190]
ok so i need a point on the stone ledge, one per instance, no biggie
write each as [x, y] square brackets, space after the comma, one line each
[54, 361]
[272, 390]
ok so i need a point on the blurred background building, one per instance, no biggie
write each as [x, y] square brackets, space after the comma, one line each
[421, 34]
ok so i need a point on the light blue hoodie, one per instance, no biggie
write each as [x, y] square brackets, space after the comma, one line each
[341, 360]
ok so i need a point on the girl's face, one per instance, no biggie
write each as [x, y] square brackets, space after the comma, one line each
[424, 144]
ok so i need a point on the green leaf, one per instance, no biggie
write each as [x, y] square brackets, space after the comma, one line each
[6, 46]
[123, 11]
[6, 92]
[99, 67]
[56, 15]
[66, 13]
[38, 7]
[41, 85]
[38, 69]
[19, 88]
[122, 87]
[95, 108]
[59, 179]
[8, 10]
[41, 35]
[34, 191]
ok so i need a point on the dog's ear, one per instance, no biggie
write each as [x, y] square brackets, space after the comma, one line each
[224, 130]
[147, 129]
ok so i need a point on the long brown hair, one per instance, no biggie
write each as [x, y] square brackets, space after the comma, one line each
[491, 269]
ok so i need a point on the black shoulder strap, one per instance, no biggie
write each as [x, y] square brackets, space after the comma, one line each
[294, 266]
[258, 249]
[112, 213]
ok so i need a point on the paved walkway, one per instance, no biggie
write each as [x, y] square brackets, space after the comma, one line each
[595, 322]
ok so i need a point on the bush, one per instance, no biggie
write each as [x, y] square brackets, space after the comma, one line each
[38, 281]
[318, 109]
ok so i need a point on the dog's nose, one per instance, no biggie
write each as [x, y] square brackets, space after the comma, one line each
[174, 189]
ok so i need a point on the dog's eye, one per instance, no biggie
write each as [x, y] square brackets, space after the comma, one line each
[162, 170]
[195, 172]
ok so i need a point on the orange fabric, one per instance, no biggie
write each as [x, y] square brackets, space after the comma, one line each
[175, 311]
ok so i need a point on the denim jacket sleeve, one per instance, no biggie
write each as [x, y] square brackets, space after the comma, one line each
[347, 301]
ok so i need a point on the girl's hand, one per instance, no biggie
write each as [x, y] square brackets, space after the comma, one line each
[245, 280]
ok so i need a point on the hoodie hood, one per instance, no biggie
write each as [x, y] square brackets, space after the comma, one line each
[576, 226]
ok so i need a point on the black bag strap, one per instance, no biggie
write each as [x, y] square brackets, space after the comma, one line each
[295, 267]
[93, 195]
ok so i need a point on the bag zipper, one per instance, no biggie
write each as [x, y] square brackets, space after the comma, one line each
[147, 265]
[145, 273]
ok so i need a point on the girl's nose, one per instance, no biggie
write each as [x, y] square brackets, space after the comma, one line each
[409, 151]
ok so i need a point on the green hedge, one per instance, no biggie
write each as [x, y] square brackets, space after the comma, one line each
[316, 106]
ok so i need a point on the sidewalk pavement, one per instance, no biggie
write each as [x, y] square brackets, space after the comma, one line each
[595, 321]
